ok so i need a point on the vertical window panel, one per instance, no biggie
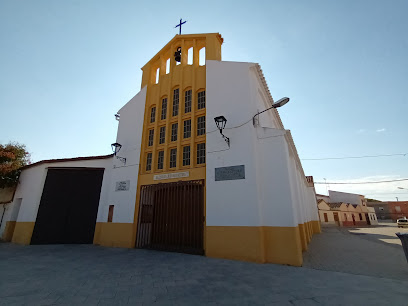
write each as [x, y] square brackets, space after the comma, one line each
[201, 126]
[149, 162]
[174, 130]
[160, 160]
[152, 114]
[164, 109]
[162, 135]
[187, 128]
[173, 158]
[151, 137]
[201, 100]
[201, 153]
[175, 102]
[186, 156]
[187, 101]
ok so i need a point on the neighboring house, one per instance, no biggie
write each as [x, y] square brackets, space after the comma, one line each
[332, 213]
[176, 183]
[398, 209]
[382, 210]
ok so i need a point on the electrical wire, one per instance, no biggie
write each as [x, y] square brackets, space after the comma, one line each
[354, 183]
[363, 156]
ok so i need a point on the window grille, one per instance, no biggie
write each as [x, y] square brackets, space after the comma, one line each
[153, 114]
[187, 128]
[201, 153]
[200, 125]
[164, 109]
[187, 101]
[174, 129]
[201, 100]
[186, 156]
[173, 158]
[160, 160]
[150, 140]
[175, 102]
[162, 136]
[149, 162]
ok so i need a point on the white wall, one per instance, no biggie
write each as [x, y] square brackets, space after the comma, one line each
[129, 136]
[345, 197]
[274, 191]
[31, 184]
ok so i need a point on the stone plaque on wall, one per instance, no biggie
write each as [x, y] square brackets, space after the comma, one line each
[122, 185]
[167, 176]
[230, 173]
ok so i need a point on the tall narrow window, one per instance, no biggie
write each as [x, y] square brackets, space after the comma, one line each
[187, 128]
[157, 75]
[187, 101]
[163, 109]
[162, 136]
[173, 158]
[325, 217]
[160, 159]
[186, 156]
[190, 56]
[152, 114]
[201, 100]
[175, 102]
[174, 129]
[151, 136]
[200, 125]
[201, 56]
[149, 162]
[201, 153]
[110, 214]
[167, 66]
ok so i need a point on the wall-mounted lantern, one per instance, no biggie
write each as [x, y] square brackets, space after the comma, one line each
[220, 121]
[117, 116]
[116, 148]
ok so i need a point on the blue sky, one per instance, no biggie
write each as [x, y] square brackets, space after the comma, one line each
[66, 67]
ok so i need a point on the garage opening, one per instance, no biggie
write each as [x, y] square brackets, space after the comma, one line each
[68, 206]
[171, 217]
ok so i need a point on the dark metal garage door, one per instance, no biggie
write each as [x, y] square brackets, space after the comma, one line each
[171, 217]
[68, 207]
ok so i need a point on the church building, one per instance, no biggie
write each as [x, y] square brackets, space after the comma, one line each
[198, 168]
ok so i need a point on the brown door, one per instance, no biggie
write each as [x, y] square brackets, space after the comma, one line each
[171, 217]
[336, 218]
[367, 219]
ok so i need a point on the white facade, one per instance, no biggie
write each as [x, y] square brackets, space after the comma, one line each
[275, 191]
[129, 136]
[345, 197]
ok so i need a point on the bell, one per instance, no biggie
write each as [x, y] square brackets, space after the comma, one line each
[177, 55]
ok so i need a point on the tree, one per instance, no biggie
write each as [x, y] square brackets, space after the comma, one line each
[13, 156]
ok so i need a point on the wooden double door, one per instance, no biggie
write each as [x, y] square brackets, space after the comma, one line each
[171, 217]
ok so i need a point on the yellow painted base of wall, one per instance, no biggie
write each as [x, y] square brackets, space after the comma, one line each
[317, 229]
[266, 244]
[114, 234]
[8, 231]
[23, 232]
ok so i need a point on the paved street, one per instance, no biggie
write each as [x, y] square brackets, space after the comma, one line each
[373, 251]
[93, 275]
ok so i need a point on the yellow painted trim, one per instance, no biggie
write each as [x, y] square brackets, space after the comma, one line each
[302, 233]
[114, 234]
[317, 229]
[267, 244]
[9, 230]
[23, 232]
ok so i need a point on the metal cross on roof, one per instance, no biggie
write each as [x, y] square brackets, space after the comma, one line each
[179, 25]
